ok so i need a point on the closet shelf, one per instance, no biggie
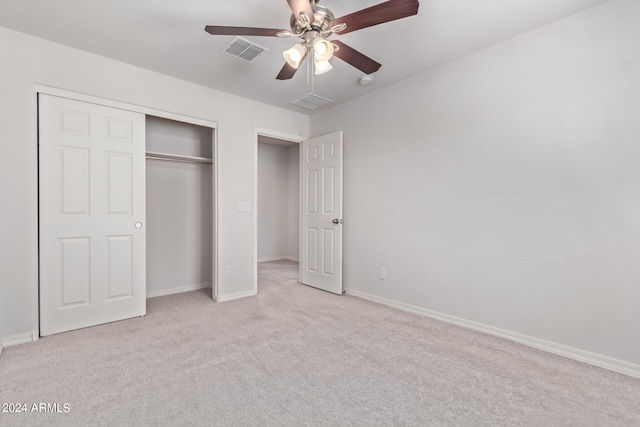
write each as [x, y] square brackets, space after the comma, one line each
[177, 158]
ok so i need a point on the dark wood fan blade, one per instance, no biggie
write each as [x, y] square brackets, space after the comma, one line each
[378, 14]
[355, 58]
[298, 6]
[218, 30]
[288, 71]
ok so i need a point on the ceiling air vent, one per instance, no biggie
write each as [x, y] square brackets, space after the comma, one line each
[243, 49]
[311, 101]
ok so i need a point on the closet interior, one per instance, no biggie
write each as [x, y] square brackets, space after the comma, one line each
[179, 206]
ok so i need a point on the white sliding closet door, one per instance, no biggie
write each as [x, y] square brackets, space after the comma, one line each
[92, 213]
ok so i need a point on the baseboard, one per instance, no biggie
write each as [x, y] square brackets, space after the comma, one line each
[17, 339]
[178, 290]
[278, 258]
[601, 361]
[271, 258]
[237, 295]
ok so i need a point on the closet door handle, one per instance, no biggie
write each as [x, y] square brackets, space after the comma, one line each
[138, 225]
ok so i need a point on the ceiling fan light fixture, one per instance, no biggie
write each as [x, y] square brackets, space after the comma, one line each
[322, 67]
[315, 25]
[322, 49]
[294, 55]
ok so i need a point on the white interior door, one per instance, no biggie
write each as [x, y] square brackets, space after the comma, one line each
[92, 213]
[321, 239]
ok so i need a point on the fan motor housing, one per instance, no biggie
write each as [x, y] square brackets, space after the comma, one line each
[322, 20]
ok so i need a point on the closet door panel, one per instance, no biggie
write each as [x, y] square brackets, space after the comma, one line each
[74, 257]
[120, 183]
[92, 214]
[74, 177]
[120, 267]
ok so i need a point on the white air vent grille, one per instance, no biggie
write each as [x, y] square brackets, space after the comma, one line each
[243, 49]
[311, 101]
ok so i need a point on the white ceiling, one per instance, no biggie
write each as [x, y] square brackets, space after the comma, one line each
[168, 36]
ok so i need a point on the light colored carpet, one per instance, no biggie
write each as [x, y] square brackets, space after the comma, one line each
[296, 356]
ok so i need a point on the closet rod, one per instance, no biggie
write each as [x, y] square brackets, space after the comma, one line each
[177, 158]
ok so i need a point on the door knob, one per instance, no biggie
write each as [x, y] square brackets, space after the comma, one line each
[138, 225]
[337, 221]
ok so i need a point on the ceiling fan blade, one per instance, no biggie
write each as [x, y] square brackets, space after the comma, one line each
[355, 58]
[218, 30]
[298, 6]
[378, 14]
[288, 71]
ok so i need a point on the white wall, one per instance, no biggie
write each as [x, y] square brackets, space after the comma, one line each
[179, 226]
[172, 137]
[278, 211]
[272, 201]
[26, 61]
[504, 188]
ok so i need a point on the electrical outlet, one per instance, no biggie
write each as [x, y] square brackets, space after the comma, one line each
[227, 270]
[382, 274]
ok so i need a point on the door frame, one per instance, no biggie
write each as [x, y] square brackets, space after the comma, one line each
[257, 131]
[63, 93]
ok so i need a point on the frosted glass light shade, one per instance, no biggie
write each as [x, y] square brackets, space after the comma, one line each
[322, 67]
[322, 49]
[294, 55]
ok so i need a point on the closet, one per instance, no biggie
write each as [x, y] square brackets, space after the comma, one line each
[179, 205]
[126, 209]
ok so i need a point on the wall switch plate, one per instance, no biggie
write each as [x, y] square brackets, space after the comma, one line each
[244, 206]
[382, 274]
[227, 270]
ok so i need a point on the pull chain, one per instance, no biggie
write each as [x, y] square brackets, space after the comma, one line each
[310, 65]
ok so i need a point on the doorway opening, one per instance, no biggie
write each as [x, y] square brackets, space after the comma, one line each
[277, 201]
[180, 207]
[319, 209]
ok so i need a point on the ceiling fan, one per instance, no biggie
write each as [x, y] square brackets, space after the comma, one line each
[314, 24]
